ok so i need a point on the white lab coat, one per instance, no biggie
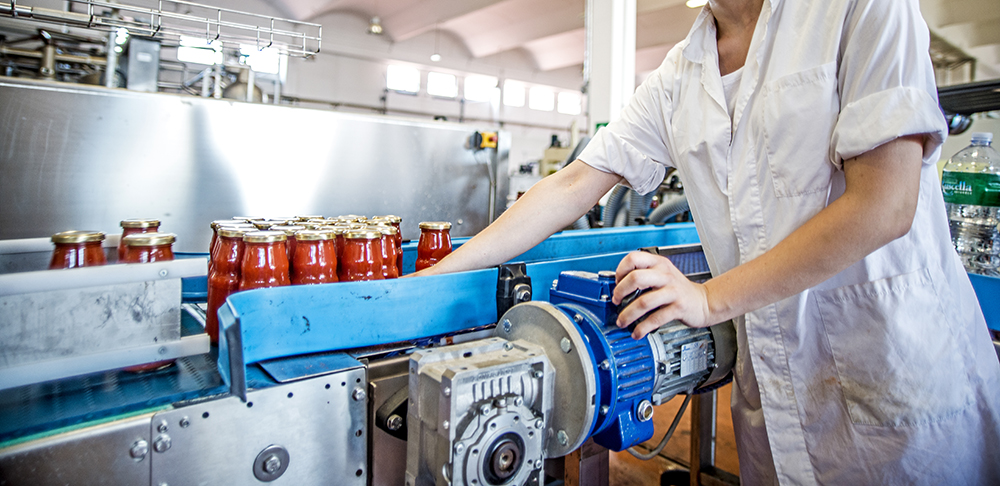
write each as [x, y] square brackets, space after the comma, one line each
[883, 374]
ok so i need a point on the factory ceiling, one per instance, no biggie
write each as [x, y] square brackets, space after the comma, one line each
[552, 31]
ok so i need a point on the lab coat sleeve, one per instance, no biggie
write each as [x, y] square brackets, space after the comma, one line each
[886, 81]
[634, 146]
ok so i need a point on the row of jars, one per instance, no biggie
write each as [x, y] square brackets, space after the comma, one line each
[250, 253]
[141, 242]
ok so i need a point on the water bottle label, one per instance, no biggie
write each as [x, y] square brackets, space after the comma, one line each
[970, 188]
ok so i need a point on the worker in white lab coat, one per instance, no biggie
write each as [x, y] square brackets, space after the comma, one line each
[807, 135]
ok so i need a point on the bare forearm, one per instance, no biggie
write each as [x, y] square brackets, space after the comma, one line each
[552, 204]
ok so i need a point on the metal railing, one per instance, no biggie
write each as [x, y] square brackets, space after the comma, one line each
[176, 18]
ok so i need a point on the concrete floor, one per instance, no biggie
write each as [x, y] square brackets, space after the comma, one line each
[626, 470]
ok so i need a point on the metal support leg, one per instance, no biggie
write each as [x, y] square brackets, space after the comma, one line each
[587, 466]
[703, 470]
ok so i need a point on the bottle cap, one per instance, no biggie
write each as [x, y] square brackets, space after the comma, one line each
[390, 218]
[264, 236]
[140, 223]
[435, 225]
[234, 231]
[363, 234]
[984, 137]
[288, 229]
[77, 237]
[385, 229]
[313, 235]
[149, 239]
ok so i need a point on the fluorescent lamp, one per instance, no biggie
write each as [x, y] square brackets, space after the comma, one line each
[696, 3]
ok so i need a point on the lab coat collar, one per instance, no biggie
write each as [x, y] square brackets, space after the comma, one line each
[703, 31]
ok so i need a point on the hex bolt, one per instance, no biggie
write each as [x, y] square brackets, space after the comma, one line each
[484, 409]
[555, 283]
[539, 424]
[162, 443]
[578, 318]
[606, 274]
[185, 422]
[445, 425]
[605, 365]
[518, 401]
[500, 403]
[459, 448]
[522, 293]
[139, 449]
[162, 426]
[508, 346]
[565, 345]
[272, 464]
[538, 463]
[506, 325]
[394, 422]
[446, 391]
[537, 373]
[605, 409]
[645, 411]
[563, 438]
[359, 394]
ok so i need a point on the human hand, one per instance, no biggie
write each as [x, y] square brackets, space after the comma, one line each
[671, 296]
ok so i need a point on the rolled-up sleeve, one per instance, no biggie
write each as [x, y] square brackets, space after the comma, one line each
[887, 86]
[634, 146]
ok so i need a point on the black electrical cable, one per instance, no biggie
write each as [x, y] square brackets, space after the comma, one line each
[670, 432]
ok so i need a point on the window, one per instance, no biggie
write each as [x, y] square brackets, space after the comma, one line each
[440, 84]
[480, 88]
[402, 78]
[199, 51]
[541, 98]
[262, 61]
[513, 93]
[569, 103]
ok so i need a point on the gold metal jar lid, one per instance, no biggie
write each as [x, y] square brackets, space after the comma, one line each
[75, 236]
[288, 229]
[335, 230]
[307, 218]
[363, 234]
[227, 222]
[310, 225]
[435, 225]
[264, 236]
[313, 235]
[351, 218]
[234, 231]
[390, 218]
[149, 239]
[139, 223]
[385, 229]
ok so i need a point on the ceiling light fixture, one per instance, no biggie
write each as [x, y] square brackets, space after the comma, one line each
[696, 3]
[375, 26]
[436, 56]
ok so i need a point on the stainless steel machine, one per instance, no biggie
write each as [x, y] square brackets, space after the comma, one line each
[482, 378]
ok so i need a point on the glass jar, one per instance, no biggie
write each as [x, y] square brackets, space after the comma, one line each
[289, 230]
[77, 249]
[362, 256]
[315, 258]
[435, 243]
[213, 246]
[148, 247]
[389, 268]
[136, 226]
[224, 275]
[307, 218]
[396, 222]
[265, 263]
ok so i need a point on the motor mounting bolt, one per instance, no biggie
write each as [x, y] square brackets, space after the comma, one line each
[508, 346]
[605, 365]
[139, 449]
[605, 409]
[459, 448]
[522, 293]
[394, 422]
[563, 438]
[578, 318]
[506, 325]
[565, 345]
[518, 401]
[484, 409]
[645, 411]
[539, 424]
[359, 394]
[537, 374]
[446, 391]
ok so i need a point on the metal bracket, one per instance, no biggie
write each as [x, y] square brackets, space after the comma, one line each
[391, 416]
[513, 286]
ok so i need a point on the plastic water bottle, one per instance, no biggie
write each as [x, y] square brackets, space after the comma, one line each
[971, 185]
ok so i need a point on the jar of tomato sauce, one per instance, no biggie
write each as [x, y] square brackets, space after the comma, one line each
[289, 230]
[435, 243]
[213, 247]
[362, 256]
[148, 247]
[265, 263]
[395, 222]
[77, 249]
[136, 226]
[315, 258]
[389, 268]
[224, 275]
